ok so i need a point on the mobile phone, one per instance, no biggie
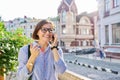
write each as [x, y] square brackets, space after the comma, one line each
[53, 37]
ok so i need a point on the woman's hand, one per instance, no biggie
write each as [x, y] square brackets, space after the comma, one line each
[55, 41]
[35, 50]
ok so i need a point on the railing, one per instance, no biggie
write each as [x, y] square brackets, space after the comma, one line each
[68, 75]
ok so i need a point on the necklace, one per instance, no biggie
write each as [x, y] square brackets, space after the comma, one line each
[42, 49]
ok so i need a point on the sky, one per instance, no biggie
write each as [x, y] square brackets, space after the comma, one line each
[40, 9]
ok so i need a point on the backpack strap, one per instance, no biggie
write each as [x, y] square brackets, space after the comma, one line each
[29, 54]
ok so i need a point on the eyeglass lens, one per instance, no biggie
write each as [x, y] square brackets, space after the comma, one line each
[44, 30]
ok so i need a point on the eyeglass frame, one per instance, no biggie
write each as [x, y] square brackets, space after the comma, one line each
[44, 30]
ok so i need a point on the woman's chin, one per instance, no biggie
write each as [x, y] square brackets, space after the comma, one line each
[46, 40]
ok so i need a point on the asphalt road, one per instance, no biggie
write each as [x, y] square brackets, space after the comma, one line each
[100, 69]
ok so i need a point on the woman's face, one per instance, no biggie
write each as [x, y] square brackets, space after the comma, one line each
[46, 32]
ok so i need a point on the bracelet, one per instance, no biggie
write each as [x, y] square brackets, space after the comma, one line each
[31, 64]
[54, 47]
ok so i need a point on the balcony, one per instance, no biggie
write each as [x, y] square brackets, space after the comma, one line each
[115, 10]
[77, 36]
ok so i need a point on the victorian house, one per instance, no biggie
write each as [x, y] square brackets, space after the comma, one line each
[76, 30]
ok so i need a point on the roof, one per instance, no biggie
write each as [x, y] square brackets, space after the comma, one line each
[89, 15]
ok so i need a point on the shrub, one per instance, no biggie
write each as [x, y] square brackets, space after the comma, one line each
[10, 43]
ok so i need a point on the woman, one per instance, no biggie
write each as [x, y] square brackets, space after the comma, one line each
[45, 61]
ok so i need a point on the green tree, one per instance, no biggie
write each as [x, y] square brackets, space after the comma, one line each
[10, 43]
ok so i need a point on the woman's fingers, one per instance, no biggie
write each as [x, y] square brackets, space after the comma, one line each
[35, 50]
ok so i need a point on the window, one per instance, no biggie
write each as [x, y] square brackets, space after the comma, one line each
[73, 17]
[62, 43]
[106, 34]
[107, 7]
[30, 34]
[30, 26]
[77, 31]
[84, 21]
[84, 43]
[116, 33]
[63, 29]
[116, 3]
[63, 16]
[84, 31]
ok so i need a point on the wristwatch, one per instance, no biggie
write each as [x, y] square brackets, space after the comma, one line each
[54, 47]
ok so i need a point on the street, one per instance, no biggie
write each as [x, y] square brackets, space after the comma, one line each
[95, 73]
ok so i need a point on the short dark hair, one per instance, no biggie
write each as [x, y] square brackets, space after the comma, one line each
[39, 26]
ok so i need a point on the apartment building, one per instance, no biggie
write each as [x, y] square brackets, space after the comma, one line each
[26, 23]
[109, 23]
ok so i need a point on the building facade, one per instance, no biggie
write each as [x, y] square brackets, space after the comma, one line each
[109, 23]
[26, 23]
[76, 31]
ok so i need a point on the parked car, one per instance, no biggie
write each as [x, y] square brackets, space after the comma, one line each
[86, 51]
[73, 50]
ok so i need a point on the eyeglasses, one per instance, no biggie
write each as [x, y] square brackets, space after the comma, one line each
[44, 30]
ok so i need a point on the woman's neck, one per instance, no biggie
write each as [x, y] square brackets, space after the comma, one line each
[43, 44]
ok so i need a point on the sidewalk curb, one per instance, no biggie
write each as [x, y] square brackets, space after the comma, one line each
[93, 67]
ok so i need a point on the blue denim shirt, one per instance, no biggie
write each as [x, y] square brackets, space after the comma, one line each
[45, 68]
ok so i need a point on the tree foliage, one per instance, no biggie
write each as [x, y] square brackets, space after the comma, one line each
[10, 43]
